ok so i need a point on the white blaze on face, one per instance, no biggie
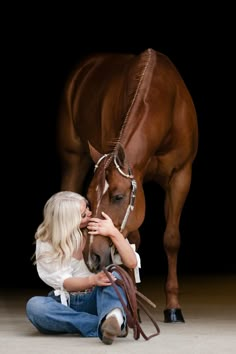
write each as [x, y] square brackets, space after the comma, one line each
[90, 263]
[106, 186]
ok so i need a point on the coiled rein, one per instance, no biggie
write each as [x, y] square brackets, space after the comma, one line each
[135, 301]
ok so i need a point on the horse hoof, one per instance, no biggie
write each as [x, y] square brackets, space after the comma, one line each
[173, 315]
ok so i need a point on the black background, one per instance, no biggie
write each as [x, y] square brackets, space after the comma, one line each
[39, 50]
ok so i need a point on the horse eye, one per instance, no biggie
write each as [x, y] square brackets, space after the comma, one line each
[117, 198]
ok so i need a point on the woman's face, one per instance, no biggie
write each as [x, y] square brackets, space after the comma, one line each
[85, 214]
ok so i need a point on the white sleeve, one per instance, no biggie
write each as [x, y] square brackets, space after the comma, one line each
[51, 275]
[50, 271]
[116, 259]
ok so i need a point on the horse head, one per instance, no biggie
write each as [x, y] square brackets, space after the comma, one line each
[117, 190]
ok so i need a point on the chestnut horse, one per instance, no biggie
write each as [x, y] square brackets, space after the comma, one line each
[133, 117]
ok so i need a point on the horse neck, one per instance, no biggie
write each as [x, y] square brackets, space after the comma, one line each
[138, 148]
[137, 153]
[131, 133]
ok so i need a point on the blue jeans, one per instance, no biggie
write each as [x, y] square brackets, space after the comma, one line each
[83, 315]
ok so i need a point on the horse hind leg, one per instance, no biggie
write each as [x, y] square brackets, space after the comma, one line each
[176, 194]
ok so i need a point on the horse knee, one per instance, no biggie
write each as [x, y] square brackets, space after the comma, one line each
[171, 242]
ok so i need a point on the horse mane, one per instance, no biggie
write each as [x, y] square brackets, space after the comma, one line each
[138, 78]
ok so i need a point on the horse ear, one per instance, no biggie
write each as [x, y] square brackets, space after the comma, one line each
[95, 155]
[120, 155]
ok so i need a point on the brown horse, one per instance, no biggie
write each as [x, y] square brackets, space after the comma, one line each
[132, 116]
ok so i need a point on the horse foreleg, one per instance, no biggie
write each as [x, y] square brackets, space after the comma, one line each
[73, 153]
[176, 194]
[134, 237]
[75, 167]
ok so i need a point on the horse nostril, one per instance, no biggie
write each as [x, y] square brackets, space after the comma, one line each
[100, 261]
[95, 261]
[99, 254]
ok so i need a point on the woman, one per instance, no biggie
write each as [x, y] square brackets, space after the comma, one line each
[81, 302]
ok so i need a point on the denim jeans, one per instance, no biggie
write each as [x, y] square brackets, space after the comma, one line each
[83, 315]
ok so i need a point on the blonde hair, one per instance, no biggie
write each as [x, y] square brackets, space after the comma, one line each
[60, 226]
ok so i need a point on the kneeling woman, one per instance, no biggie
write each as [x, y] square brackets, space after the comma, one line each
[81, 302]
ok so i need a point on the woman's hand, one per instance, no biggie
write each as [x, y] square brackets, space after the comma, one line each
[101, 279]
[104, 227]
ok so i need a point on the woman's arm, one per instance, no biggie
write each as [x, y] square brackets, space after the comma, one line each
[105, 227]
[80, 284]
[59, 276]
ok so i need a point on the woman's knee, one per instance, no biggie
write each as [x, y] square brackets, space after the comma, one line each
[35, 306]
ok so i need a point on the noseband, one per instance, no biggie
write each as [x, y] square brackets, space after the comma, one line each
[133, 188]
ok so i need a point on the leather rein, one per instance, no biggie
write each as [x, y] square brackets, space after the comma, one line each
[135, 301]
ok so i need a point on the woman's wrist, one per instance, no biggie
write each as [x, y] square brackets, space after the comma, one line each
[116, 235]
[92, 281]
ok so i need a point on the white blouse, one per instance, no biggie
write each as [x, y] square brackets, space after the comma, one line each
[53, 273]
